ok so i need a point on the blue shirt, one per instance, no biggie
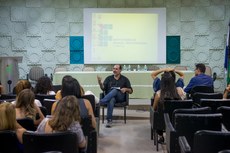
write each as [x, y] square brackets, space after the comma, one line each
[201, 80]
[157, 82]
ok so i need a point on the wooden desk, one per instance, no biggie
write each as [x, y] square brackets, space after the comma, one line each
[141, 81]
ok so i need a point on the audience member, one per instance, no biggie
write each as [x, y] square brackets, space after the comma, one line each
[44, 86]
[70, 86]
[200, 78]
[21, 85]
[58, 95]
[65, 118]
[157, 81]
[115, 86]
[226, 92]
[8, 120]
[1, 89]
[25, 106]
[168, 91]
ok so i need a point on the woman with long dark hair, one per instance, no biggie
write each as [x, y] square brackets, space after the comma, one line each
[168, 91]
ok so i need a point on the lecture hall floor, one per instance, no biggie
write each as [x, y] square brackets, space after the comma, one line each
[132, 137]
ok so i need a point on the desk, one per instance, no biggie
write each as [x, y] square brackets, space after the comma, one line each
[141, 81]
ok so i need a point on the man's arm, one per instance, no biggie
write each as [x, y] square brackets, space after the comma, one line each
[189, 86]
[226, 91]
[157, 72]
[128, 90]
[181, 74]
[100, 83]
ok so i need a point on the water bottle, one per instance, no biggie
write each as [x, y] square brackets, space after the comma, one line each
[124, 68]
[129, 68]
[145, 68]
[138, 68]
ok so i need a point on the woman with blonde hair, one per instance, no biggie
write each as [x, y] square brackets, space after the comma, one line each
[8, 120]
[65, 118]
[25, 106]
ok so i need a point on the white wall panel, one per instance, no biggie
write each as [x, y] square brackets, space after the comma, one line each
[173, 3]
[33, 3]
[34, 43]
[19, 43]
[48, 29]
[201, 28]
[18, 13]
[47, 15]
[173, 28]
[159, 3]
[62, 43]
[5, 28]
[33, 29]
[76, 29]
[187, 13]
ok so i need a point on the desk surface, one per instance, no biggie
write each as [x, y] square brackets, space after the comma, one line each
[141, 81]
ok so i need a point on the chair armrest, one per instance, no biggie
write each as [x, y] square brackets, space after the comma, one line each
[102, 94]
[92, 142]
[127, 97]
[184, 146]
[97, 110]
[171, 135]
[151, 111]
[168, 123]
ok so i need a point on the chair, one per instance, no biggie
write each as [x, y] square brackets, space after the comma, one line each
[47, 103]
[91, 99]
[27, 123]
[208, 70]
[224, 151]
[201, 110]
[206, 141]
[225, 111]
[214, 103]
[124, 105]
[43, 110]
[56, 88]
[200, 95]
[171, 105]
[96, 109]
[157, 117]
[171, 134]
[41, 97]
[157, 123]
[90, 133]
[9, 142]
[34, 142]
[60, 69]
[88, 68]
[181, 68]
[186, 125]
[153, 68]
[35, 73]
[8, 97]
[201, 88]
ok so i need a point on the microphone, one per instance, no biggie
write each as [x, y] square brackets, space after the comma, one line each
[9, 82]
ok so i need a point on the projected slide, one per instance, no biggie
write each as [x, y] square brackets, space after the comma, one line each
[127, 37]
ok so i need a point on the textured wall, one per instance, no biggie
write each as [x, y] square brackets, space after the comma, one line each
[39, 30]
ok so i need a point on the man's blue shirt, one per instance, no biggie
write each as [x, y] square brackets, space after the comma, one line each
[201, 79]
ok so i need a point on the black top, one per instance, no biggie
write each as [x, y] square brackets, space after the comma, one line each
[110, 81]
